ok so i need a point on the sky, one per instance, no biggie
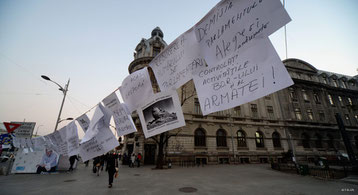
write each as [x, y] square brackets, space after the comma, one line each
[92, 42]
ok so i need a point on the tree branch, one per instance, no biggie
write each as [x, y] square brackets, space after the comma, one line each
[155, 139]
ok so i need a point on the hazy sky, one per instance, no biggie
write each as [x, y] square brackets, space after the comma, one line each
[92, 43]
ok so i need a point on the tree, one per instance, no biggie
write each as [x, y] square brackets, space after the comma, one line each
[187, 91]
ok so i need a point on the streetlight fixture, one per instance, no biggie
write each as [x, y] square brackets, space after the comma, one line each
[66, 119]
[64, 91]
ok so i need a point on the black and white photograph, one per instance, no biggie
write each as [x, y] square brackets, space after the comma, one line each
[161, 113]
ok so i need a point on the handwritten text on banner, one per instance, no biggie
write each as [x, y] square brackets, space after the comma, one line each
[256, 73]
[233, 25]
[136, 88]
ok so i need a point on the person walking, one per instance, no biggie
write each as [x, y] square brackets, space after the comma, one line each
[72, 161]
[96, 165]
[112, 165]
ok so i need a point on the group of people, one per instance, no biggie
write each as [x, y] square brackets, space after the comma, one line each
[132, 159]
[50, 158]
[111, 161]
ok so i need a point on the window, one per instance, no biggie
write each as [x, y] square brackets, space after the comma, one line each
[318, 141]
[310, 114]
[356, 117]
[237, 111]
[340, 100]
[276, 140]
[305, 140]
[293, 95]
[348, 120]
[221, 138]
[241, 138]
[197, 109]
[350, 101]
[270, 112]
[156, 51]
[335, 83]
[268, 97]
[324, 80]
[298, 114]
[344, 84]
[254, 110]
[199, 137]
[305, 96]
[316, 97]
[259, 138]
[330, 99]
[321, 116]
[330, 141]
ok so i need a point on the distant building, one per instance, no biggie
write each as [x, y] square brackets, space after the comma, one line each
[299, 118]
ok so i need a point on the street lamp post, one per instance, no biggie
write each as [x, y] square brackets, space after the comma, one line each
[37, 130]
[64, 91]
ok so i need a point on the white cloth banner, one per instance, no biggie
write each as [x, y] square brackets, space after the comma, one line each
[101, 117]
[103, 142]
[174, 65]
[84, 122]
[72, 139]
[234, 25]
[256, 73]
[136, 88]
[122, 118]
[162, 112]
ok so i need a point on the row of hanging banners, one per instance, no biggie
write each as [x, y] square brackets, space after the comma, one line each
[227, 54]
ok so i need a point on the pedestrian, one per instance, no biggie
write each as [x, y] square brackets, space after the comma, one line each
[86, 163]
[96, 165]
[139, 158]
[72, 159]
[132, 160]
[112, 167]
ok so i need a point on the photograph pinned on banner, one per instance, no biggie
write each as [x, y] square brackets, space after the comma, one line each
[84, 122]
[161, 113]
[252, 74]
[235, 25]
[136, 88]
[174, 65]
[121, 115]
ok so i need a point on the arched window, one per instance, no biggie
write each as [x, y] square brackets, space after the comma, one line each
[259, 138]
[305, 140]
[318, 141]
[276, 140]
[330, 141]
[200, 138]
[241, 138]
[221, 138]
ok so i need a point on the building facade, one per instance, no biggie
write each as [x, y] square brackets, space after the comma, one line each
[299, 118]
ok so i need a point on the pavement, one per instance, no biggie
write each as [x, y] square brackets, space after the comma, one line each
[211, 179]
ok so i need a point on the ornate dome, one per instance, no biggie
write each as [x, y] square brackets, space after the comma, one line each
[157, 32]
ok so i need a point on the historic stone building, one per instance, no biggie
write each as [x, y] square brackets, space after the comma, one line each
[299, 118]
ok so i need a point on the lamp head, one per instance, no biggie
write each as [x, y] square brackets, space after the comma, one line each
[45, 77]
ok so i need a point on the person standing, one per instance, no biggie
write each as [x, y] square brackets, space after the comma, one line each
[132, 160]
[139, 158]
[72, 161]
[112, 164]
